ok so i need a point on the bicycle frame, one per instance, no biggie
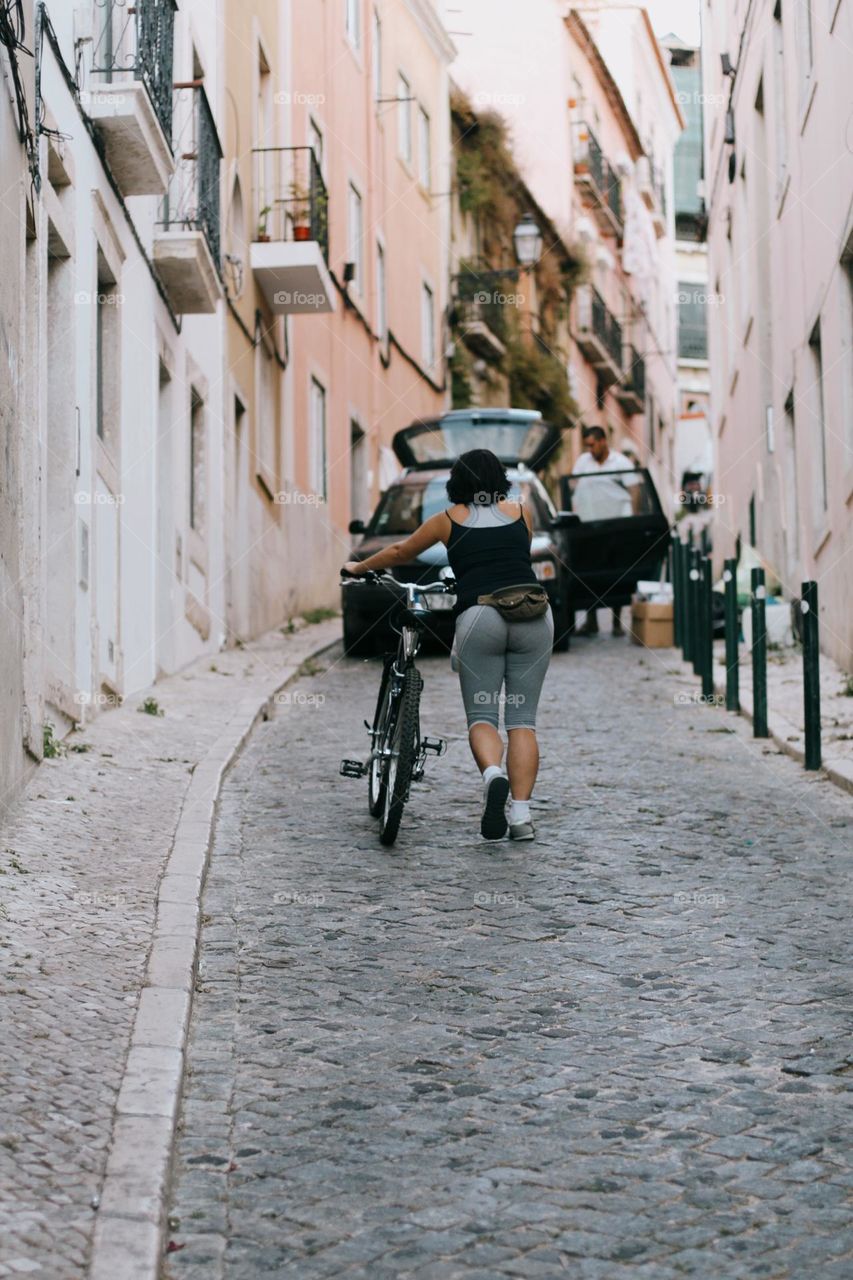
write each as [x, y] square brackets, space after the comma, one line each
[410, 631]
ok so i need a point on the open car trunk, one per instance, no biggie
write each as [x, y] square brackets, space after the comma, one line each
[621, 535]
[516, 436]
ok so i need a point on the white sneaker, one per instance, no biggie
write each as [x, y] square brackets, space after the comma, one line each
[522, 831]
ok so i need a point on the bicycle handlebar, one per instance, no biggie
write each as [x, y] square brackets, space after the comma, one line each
[371, 575]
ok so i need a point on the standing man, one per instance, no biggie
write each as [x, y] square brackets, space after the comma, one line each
[602, 498]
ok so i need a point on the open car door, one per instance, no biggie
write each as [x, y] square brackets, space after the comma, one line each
[620, 535]
[517, 436]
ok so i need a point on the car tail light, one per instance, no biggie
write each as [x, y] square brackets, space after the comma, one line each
[545, 570]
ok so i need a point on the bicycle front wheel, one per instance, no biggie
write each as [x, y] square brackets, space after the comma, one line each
[378, 767]
[403, 741]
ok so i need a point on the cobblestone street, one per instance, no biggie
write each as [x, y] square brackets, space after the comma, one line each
[620, 1050]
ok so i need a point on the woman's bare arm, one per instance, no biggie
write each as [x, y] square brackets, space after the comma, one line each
[430, 532]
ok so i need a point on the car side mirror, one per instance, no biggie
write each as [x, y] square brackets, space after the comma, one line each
[565, 520]
[357, 526]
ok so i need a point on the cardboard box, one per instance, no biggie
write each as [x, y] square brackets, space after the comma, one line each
[652, 624]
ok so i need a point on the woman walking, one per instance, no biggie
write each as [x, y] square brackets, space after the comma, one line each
[504, 629]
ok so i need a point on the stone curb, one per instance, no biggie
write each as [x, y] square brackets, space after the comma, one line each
[781, 730]
[130, 1227]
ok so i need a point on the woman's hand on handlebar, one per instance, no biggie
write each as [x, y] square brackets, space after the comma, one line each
[351, 569]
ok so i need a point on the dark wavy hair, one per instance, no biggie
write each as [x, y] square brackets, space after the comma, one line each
[477, 476]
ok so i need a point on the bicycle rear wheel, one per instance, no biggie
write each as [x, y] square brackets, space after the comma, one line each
[378, 767]
[404, 741]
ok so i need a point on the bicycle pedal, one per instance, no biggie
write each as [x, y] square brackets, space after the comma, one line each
[417, 775]
[353, 769]
[437, 745]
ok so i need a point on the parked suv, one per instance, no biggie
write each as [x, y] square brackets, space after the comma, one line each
[427, 450]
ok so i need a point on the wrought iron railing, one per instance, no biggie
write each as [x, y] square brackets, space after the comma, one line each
[635, 375]
[192, 200]
[606, 327]
[485, 295]
[290, 197]
[614, 192]
[134, 41]
[603, 174]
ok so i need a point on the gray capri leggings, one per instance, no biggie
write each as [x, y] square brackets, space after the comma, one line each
[492, 653]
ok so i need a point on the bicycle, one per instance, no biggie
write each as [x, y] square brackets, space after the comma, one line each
[397, 750]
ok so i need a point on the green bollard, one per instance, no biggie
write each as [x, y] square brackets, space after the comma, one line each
[689, 602]
[811, 674]
[707, 615]
[685, 599]
[732, 630]
[696, 610]
[759, 656]
[675, 552]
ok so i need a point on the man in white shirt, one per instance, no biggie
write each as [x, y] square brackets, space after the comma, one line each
[602, 497]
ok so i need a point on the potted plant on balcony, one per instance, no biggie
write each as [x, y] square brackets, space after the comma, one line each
[261, 232]
[300, 202]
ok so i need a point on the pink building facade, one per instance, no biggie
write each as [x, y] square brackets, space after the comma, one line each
[371, 95]
[594, 121]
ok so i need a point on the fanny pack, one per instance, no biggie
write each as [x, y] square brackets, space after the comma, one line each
[518, 604]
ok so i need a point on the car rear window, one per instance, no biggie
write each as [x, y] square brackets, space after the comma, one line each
[509, 439]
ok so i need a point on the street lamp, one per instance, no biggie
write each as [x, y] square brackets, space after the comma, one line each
[527, 241]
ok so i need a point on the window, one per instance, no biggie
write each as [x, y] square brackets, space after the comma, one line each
[687, 157]
[692, 322]
[353, 10]
[791, 487]
[315, 141]
[107, 355]
[359, 473]
[197, 463]
[819, 488]
[264, 132]
[377, 55]
[424, 150]
[100, 362]
[317, 478]
[381, 295]
[428, 324]
[404, 118]
[265, 416]
[355, 235]
[847, 349]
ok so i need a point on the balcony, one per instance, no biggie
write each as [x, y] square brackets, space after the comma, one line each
[130, 100]
[598, 180]
[599, 335]
[290, 247]
[186, 234]
[651, 190]
[479, 310]
[631, 391]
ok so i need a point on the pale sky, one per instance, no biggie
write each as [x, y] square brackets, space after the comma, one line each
[680, 16]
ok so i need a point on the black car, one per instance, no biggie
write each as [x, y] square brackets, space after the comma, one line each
[427, 451]
[619, 535]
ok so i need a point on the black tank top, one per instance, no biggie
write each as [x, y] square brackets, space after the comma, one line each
[484, 559]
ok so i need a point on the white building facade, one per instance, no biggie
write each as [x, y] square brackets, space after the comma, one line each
[119, 379]
[779, 175]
